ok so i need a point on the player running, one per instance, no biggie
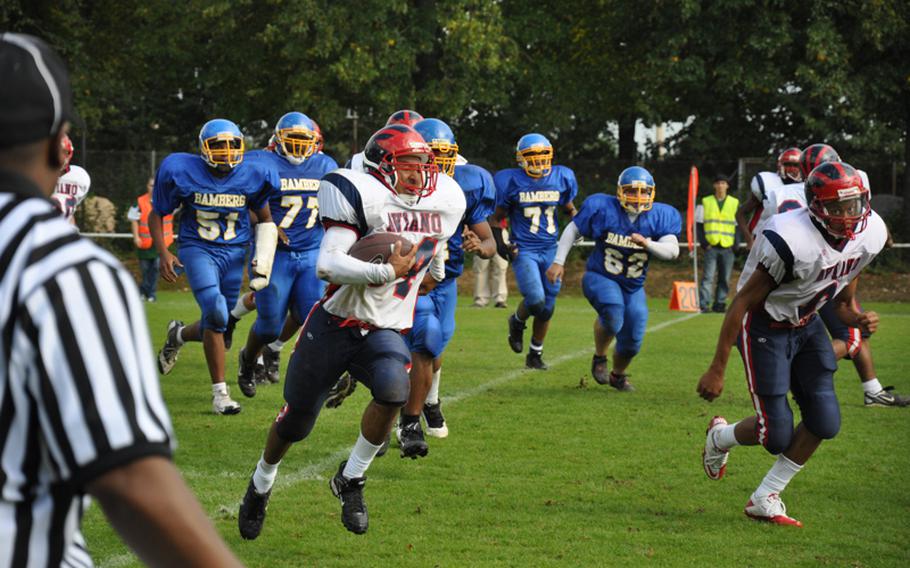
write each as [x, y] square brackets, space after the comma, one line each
[294, 284]
[72, 186]
[802, 260]
[627, 229]
[356, 326]
[434, 318]
[530, 195]
[216, 189]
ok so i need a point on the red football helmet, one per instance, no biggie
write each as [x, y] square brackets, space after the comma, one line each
[815, 155]
[67, 146]
[404, 116]
[838, 199]
[788, 165]
[320, 141]
[382, 158]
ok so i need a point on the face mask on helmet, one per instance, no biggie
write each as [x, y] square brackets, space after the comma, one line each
[413, 173]
[635, 189]
[788, 167]
[295, 144]
[838, 199]
[221, 144]
[445, 155]
[399, 157]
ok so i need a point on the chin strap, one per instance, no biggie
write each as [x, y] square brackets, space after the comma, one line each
[266, 243]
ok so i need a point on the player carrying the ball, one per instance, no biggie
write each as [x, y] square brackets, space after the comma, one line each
[356, 326]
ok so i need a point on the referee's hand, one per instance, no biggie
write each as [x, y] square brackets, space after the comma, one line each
[169, 265]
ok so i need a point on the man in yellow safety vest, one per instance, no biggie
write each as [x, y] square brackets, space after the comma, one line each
[716, 237]
[142, 238]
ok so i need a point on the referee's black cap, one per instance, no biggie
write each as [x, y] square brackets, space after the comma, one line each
[35, 94]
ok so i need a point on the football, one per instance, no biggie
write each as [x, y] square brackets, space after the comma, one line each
[377, 247]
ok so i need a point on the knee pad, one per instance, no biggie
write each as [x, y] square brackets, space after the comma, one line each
[214, 309]
[294, 425]
[823, 417]
[628, 350]
[390, 385]
[611, 318]
[775, 424]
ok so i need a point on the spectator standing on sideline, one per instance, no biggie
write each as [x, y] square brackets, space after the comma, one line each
[142, 238]
[82, 409]
[490, 274]
[716, 236]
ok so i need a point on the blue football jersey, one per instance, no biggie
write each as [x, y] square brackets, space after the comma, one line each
[480, 195]
[295, 208]
[216, 209]
[532, 205]
[603, 219]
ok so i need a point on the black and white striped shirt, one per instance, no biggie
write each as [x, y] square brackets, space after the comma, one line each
[79, 395]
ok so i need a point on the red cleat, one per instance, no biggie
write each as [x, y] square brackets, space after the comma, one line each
[770, 509]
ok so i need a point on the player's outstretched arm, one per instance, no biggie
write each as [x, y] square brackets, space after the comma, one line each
[569, 235]
[150, 506]
[846, 309]
[751, 296]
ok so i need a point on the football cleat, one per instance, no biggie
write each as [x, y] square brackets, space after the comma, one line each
[599, 369]
[229, 332]
[436, 422]
[342, 390]
[620, 382]
[252, 512]
[271, 361]
[516, 334]
[350, 492]
[246, 378]
[714, 459]
[167, 357]
[534, 360]
[885, 397]
[770, 509]
[411, 441]
[222, 403]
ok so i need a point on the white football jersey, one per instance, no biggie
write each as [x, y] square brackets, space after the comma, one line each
[71, 189]
[361, 201]
[808, 270]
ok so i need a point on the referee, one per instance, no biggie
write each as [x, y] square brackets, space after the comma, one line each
[80, 407]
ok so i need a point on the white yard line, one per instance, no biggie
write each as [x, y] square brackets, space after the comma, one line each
[315, 470]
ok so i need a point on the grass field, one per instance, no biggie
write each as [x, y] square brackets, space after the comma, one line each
[549, 468]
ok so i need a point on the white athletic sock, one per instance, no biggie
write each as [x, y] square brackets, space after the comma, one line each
[872, 386]
[361, 457]
[219, 388]
[179, 335]
[276, 345]
[433, 395]
[536, 346]
[239, 310]
[725, 438]
[778, 477]
[264, 476]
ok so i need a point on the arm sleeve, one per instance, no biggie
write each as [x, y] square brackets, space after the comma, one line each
[90, 370]
[569, 235]
[664, 248]
[338, 267]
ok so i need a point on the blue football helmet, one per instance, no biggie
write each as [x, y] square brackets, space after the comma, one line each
[295, 137]
[635, 189]
[221, 144]
[442, 140]
[534, 155]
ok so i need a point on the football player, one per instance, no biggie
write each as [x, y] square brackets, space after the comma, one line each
[356, 326]
[530, 196]
[802, 260]
[72, 186]
[772, 193]
[434, 319]
[293, 284]
[217, 188]
[627, 229]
